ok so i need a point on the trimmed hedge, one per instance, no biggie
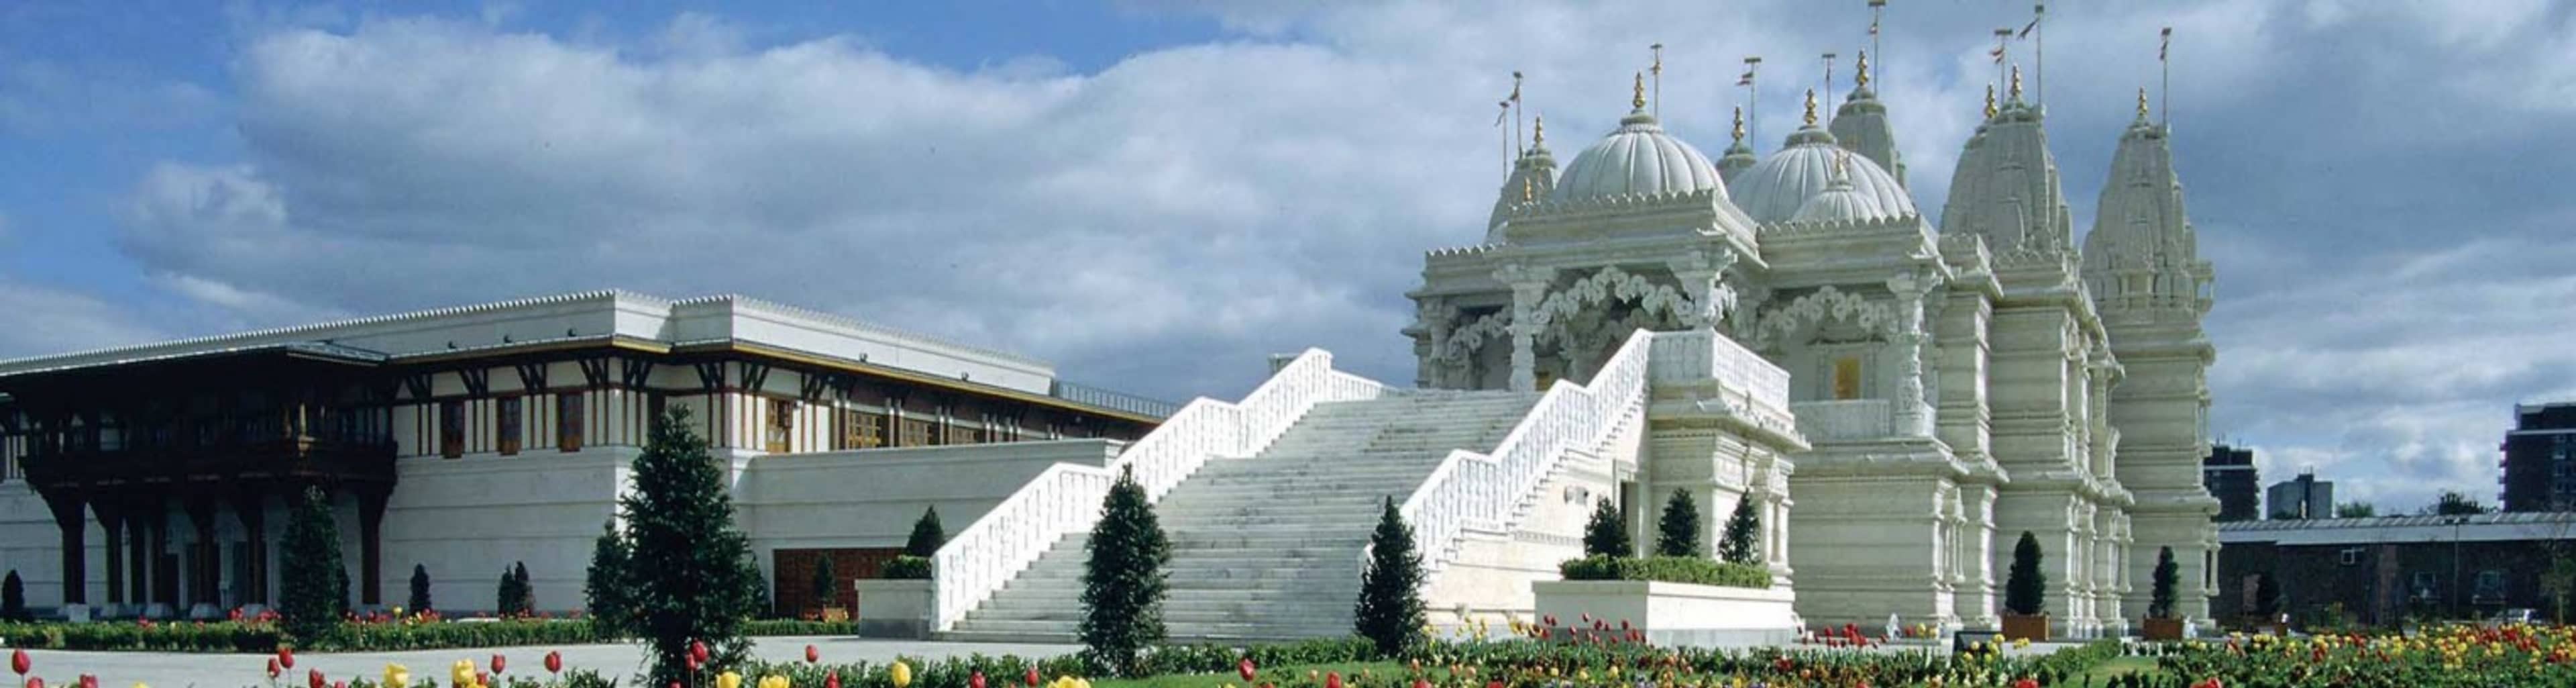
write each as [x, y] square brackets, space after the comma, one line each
[760, 627]
[906, 567]
[1691, 570]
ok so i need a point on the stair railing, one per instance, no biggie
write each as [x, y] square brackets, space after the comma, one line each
[1065, 498]
[1482, 487]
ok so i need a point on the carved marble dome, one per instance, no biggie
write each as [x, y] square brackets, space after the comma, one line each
[1774, 190]
[1840, 202]
[1638, 158]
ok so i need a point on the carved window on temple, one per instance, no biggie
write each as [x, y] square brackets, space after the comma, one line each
[568, 422]
[506, 429]
[782, 426]
[863, 429]
[1847, 378]
[451, 428]
[965, 432]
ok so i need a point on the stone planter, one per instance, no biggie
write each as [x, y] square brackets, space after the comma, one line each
[894, 608]
[2031, 628]
[2161, 629]
[1676, 614]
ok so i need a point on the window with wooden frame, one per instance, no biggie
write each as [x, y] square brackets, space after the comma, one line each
[1846, 378]
[965, 432]
[451, 428]
[915, 432]
[506, 430]
[782, 425]
[568, 419]
[862, 429]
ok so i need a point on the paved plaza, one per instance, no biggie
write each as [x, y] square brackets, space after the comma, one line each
[181, 670]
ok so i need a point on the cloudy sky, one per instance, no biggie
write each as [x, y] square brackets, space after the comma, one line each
[1156, 195]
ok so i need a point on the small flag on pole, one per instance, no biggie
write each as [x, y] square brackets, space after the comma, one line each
[1745, 80]
[1505, 114]
[2165, 46]
[2025, 28]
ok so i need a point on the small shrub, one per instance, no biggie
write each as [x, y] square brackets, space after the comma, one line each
[1607, 533]
[1678, 534]
[2025, 586]
[927, 535]
[905, 567]
[1389, 612]
[13, 599]
[1693, 570]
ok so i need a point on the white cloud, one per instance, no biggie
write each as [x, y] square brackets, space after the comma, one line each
[55, 320]
[1162, 222]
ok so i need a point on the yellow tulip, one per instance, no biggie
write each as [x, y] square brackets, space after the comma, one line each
[397, 675]
[1063, 682]
[728, 680]
[773, 681]
[901, 672]
[1082, 683]
[462, 673]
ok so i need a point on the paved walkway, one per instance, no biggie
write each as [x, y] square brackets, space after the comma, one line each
[183, 670]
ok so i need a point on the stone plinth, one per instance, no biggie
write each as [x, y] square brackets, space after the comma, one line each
[894, 608]
[1677, 614]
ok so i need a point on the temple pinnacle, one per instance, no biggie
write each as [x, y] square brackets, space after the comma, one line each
[1862, 68]
[1739, 124]
[1990, 101]
[1637, 93]
[2142, 104]
[1811, 107]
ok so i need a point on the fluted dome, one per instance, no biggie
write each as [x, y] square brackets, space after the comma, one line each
[1776, 189]
[1638, 158]
[1839, 202]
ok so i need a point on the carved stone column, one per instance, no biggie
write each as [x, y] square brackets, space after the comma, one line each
[1702, 275]
[1913, 417]
[1529, 285]
[1437, 318]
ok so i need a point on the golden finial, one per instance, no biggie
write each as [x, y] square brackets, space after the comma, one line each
[2142, 103]
[2016, 83]
[1990, 101]
[1538, 132]
[1739, 123]
[1862, 78]
[1811, 107]
[1529, 190]
[1637, 93]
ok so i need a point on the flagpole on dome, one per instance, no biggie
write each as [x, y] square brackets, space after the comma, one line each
[1829, 74]
[1515, 100]
[1658, 69]
[2039, 11]
[1876, 7]
[1752, 93]
[2002, 51]
[2164, 95]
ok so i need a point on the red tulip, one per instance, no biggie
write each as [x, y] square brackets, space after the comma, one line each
[1333, 680]
[554, 662]
[1032, 678]
[482, 679]
[500, 663]
[1421, 683]
[286, 657]
[675, 684]
[2026, 682]
[312, 677]
[693, 664]
[812, 655]
[35, 682]
[339, 684]
[89, 681]
[1494, 684]
[1550, 619]
[833, 680]
[272, 667]
[975, 680]
[1245, 668]
[698, 651]
[18, 662]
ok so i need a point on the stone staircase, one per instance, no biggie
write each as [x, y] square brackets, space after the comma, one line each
[1268, 547]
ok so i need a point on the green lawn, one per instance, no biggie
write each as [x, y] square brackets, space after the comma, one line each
[1278, 676]
[2117, 666]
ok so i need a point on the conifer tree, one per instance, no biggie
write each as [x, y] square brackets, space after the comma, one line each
[604, 588]
[314, 585]
[685, 569]
[1390, 608]
[824, 579]
[13, 599]
[1742, 543]
[1606, 535]
[927, 535]
[419, 601]
[505, 600]
[527, 590]
[2025, 586]
[1123, 581]
[2160, 603]
[1678, 533]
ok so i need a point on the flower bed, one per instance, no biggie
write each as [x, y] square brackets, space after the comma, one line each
[1692, 570]
[416, 633]
[2452, 657]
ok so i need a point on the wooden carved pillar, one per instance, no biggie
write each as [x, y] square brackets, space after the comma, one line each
[250, 505]
[138, 560]
[72, 519]
[371, 542]
[165, 568]
[205, 562]
[111, 523]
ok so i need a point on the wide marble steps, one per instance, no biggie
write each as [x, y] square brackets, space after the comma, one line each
[1268, 547]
